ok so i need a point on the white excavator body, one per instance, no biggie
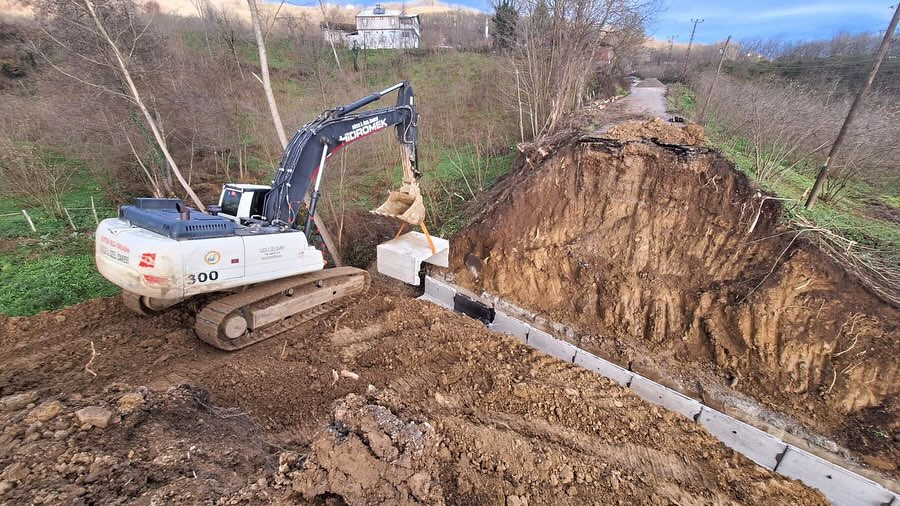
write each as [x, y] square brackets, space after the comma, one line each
[249, 250]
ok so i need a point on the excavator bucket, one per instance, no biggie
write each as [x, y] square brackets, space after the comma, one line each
[405, 204]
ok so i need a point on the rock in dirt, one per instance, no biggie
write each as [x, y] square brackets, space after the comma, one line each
[94, 416]
[16, 402]
[45, 412]
[368, 455]
[130, 403]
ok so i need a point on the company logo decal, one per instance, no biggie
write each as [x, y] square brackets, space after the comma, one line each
[147, 260]
[212, 258]
[362, 128]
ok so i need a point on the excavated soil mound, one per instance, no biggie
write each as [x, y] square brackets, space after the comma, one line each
[665, 259]
[658, 130]
[651, 83]
[442, 412]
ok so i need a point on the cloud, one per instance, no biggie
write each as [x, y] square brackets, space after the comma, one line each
[819, 9]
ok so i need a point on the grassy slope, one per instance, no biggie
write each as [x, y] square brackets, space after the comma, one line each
[848, 216]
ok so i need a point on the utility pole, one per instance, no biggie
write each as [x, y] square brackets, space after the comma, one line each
[712, 85]
[671, 40]
[879, 57]
[690, 43]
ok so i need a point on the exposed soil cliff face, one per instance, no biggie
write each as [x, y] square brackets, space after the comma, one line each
[666, 258]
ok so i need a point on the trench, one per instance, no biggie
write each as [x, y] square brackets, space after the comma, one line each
[645, 248]
[838, 480]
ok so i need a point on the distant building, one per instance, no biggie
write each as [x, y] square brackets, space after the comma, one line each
[377, 28]
[604, 56]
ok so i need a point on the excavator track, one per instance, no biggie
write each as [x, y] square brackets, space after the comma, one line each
[266, 310]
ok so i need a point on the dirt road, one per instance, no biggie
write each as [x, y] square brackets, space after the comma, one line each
[391, 400]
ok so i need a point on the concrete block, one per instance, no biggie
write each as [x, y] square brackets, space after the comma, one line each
[840, 486]
[510, 326]
[439, 290]
[603, 367]
[429, 298]
[550, 345]
[756, 445]
[666, 397]
[402, 258]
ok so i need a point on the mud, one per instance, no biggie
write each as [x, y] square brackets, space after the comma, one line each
[668, 261]
[442, 412]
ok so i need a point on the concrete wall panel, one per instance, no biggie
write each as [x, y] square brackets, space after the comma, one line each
[510, 326]
[603, 367]
[550, 345]
[842, 487]
[756, 445]
[673, 401]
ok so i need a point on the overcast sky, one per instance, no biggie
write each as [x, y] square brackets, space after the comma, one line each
[793, 20]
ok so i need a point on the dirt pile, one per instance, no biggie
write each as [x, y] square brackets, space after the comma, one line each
[658, 130]
[454, 414]
[667, 260]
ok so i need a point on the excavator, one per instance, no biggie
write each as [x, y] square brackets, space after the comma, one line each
[249, 251]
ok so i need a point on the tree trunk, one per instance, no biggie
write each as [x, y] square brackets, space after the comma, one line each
[279, 127]
[126, 75]
[879, 57]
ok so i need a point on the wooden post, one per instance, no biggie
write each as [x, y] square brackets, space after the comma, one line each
[72, 223]
[712, 86]
[879, 57]
[30, 223]
[94, 210]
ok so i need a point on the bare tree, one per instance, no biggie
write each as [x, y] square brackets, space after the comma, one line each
[31, 177]
[279, 126]
[88, 23]
[555, 49]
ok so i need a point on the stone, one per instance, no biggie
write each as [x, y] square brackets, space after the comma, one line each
[6, 486]
[45, 412]
[17, 471]
[129, 403]
[93, 416]
[19, 401]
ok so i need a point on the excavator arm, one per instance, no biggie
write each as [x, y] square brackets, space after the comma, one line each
[303, 161]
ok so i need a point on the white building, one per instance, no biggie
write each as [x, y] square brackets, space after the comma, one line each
[379, 28]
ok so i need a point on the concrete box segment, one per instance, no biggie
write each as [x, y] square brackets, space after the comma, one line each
[756, 445]
[603, 367]
[550, 345]
[510, 326]
[439, 290]
[673, 401]
[428, 298]
[840, 486]
[402, 258]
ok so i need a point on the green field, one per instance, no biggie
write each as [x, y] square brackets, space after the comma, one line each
[850, 216]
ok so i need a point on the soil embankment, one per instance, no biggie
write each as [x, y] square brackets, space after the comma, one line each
[667, 260]
[442, 412]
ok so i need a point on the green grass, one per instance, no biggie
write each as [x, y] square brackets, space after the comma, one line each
[50, 274]
[53, 267]
[848, 216]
